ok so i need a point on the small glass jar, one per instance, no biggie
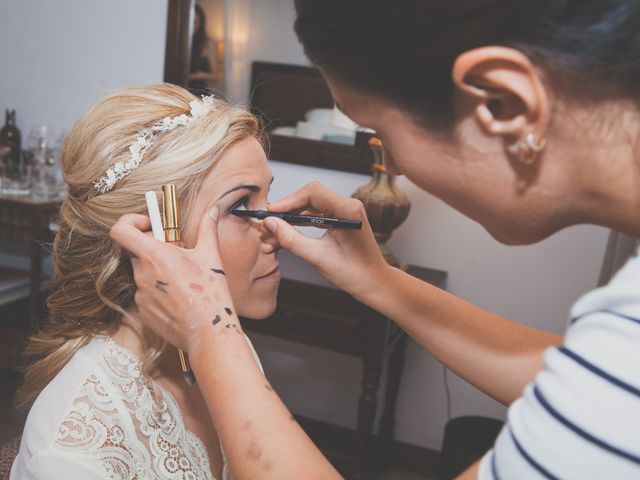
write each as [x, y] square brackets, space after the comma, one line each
[46, 177]
[15, 174]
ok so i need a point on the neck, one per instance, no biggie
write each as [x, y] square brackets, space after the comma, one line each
[605, 180]
[166, 365]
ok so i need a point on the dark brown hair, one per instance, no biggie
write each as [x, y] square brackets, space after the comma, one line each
[405, 50]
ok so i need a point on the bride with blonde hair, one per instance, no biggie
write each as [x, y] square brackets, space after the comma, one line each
[107, 398]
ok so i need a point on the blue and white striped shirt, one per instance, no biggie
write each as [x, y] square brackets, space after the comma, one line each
[580, 418]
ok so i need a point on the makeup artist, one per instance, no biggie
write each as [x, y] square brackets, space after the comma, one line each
[523, 115]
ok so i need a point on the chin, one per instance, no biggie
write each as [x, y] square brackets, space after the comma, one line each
[259, 310]
[518, 235]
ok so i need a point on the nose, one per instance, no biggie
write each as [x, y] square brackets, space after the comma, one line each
[269, 241]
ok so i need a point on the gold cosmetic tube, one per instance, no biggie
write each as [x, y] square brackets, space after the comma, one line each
[171, 219]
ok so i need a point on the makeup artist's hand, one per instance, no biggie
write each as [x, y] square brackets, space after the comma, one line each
[350, 259]
[180, 291]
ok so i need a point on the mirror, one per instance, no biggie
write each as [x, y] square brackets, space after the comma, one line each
[194, 54]
[293, 101]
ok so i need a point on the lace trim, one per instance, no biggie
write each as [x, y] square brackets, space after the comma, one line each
[160, 446]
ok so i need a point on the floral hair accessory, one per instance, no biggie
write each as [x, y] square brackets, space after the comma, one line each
[144, 138]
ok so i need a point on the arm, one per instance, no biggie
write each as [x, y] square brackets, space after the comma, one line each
[258, 434]
[498, 356]
[470, 473]
[495, 354]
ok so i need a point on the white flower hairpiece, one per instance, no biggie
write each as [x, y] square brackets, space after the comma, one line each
[199, 108]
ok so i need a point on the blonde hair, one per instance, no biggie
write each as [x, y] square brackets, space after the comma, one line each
[93, 282]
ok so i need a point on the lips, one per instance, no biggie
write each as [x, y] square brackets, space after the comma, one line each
[270, 273]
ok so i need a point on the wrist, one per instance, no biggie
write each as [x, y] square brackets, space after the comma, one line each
[214, 335]
[374, 281]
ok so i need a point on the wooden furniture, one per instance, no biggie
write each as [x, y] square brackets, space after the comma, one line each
[14, 285]
[331, 319]
[281, 95]
[8, 453]
[178, 42]
[24, 228]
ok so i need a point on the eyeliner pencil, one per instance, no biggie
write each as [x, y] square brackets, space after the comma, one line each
[301, 220]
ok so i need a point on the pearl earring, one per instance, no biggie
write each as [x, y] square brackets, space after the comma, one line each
[528, 149]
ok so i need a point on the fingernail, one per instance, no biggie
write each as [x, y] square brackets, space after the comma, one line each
[271, 224]
[214, 213]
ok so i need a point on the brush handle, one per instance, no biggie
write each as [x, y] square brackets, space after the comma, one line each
[154, 215]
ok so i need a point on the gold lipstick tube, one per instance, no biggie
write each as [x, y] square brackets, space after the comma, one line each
[170, 213]
[171, 218]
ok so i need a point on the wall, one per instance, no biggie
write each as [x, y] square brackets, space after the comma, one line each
[63, 55]
[257, 30]
[214, 11]
[60, 57]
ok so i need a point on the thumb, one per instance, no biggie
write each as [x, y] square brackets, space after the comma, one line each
[291, 239]
[208, 232]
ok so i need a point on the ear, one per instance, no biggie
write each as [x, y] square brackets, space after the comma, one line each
[510, 97]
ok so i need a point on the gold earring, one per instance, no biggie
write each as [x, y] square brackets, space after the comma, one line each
[528, 149]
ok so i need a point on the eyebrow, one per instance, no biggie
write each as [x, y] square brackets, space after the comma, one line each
[252, 188]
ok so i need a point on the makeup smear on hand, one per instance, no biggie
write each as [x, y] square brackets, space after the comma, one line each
[231, 326]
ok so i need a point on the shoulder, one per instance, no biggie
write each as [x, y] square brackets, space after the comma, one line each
[604, 328]
[578, 418]
[50, 408]
[620, 295]
[58, 465]
[91, 423]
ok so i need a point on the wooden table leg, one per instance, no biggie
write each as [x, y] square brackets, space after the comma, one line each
[394, 376]
[35, 269]
[366, 417]
[34, 287]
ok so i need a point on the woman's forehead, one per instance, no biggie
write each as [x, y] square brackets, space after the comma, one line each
[246, 154]
[244, 162]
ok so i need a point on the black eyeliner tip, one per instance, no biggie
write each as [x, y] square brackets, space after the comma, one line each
[259, 214]
[242, 213]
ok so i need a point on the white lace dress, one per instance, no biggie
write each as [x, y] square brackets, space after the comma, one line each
[97, 420]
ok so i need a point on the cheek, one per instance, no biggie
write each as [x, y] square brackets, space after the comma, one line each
[429, 168]
[238, 252]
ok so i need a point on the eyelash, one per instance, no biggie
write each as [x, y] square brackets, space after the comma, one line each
[242, 202]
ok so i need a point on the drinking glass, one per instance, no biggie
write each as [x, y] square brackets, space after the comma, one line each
[14, 174]
[46, 179]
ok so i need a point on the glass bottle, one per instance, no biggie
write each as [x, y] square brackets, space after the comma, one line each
[15, 178]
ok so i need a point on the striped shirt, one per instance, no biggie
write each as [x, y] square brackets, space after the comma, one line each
[580, 418]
